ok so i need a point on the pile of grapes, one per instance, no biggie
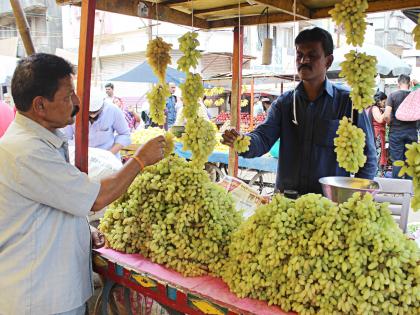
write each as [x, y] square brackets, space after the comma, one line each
[352, 15]
[359, 70]
[349, 146]
[313, 256]
[173, 214]
[411, 167]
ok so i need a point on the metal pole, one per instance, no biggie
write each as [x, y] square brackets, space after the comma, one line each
[87, 26]
[23, 27]
[235, 109]
[251, 123]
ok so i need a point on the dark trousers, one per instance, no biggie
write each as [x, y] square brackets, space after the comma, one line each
[397, 141]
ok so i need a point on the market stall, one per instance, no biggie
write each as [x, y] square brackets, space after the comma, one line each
[184, 222]
[190, 295]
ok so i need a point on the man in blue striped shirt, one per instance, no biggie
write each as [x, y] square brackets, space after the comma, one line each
[306, 120]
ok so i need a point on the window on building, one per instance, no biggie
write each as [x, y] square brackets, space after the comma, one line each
[274, 36]
[417, 61]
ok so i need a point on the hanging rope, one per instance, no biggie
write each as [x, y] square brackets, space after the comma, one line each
[294, 72]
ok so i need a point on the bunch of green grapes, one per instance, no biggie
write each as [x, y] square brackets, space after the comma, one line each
[173, 214]
[200, 138]
[157, 99]
[352, 15]
[170, 143]
[244, 102]
[359, 70]
[349, 146]
[188, 44]
[158, 56]
[208, 92]
[313, 256]
[416, 33]
[219, 102]
[208, 102]
[192, 90]
[242, 143]
[411, 167]
[143, 135]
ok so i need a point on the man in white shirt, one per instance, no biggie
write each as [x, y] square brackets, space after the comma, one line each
[45, 265]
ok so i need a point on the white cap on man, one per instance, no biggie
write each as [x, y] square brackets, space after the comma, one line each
[96, 100]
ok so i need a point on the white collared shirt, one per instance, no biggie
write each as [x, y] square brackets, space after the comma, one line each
[45, 263]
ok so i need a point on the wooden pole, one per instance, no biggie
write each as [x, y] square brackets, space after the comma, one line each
[23, 27]
[251, 121]
[235, 106]
[87, 26]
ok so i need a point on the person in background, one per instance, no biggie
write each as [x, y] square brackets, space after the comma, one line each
[266, 103]
[109, 90]
[377, 112]
[258, 108]
[45, 239]
[108, 129]
[170, 109]
[306, 120]
[400, 132]
[132, 118]
[6, 117]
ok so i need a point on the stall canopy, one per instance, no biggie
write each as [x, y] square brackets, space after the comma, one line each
[7, 67]
[389, 65]
[224, 13]
[144, 73]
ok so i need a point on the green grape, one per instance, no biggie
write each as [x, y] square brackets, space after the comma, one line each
[244, 102]
[359, 70]
[157, 100]
[141, 136]
[352, 15]
[313, 256]
[349, 145]
[416, 34]
[208, 102]
[173, 214]
[241, 144]
[411, 167]
[188, 44]
[158, 56]
[200, 138]
[170, 143]
[219, 102]
[192, 90]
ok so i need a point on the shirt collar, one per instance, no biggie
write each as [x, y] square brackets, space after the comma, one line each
[56, 139]
[328, 87]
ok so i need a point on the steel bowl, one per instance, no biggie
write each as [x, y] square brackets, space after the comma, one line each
[340, 189]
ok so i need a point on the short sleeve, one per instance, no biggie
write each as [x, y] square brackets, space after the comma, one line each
[45, 177]
[390, 101]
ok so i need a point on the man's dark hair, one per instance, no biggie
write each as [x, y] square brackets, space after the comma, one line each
[38, 75]
[404, 79]
[109, 85]
[316, 34]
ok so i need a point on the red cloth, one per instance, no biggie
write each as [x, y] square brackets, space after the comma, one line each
[6, 117]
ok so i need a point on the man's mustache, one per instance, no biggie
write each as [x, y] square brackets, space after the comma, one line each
[75, 110]
[304, 66]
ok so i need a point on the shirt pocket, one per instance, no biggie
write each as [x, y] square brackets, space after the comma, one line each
[325, 131]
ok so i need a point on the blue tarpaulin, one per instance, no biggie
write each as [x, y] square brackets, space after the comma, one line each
[143, 73]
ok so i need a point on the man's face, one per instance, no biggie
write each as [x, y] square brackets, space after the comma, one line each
[109, 91]
[61, 111]
[172, 88]
[311, 61]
